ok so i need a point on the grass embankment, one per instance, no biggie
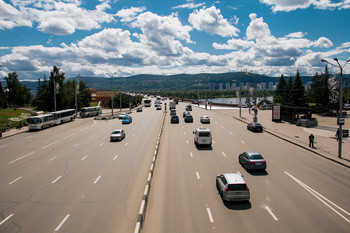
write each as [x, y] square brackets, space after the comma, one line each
[10, 117]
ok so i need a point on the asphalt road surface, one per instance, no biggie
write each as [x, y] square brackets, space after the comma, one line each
[299, 192]
[71, 178]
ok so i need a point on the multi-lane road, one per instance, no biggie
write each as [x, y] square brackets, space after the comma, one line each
[70, 178]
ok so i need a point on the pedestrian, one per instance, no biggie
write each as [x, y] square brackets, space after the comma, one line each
[337, 134]
[311, 140]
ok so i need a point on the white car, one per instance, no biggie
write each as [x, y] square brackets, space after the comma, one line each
[205, 119]
[122, 115]
[117, 135]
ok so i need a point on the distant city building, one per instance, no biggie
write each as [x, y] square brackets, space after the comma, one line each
[228, 86]
[220, 86]
[234, 86]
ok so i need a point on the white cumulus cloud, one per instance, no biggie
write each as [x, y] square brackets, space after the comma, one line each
[211, 21]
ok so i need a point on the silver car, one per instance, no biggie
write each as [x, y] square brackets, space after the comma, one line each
[205, 119]
[232, 187]
[252, 161]
[117, 135]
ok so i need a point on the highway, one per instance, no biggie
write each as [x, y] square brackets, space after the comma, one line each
[70, 178]
[299, 192]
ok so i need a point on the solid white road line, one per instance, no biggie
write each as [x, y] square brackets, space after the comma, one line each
[61, 224]
[84, 157]
[98, 178]
[57, 179]
[223, 154]
[242, 141]
[210, 215]
[321, 198]
[15, 180]
[52, 158]
[8, 217]
[115, 157]
[49, 145]
[22, 157]
[271, 213]
[198, 177]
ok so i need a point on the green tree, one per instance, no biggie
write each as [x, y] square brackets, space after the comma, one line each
[65, 93]
[18, 94]
[281, 91]
[3, 97]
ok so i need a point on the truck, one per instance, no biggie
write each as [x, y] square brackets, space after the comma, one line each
[147, 102]
[172, 105]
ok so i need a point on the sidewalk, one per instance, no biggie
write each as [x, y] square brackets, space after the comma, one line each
[13, 131]
[326, 144]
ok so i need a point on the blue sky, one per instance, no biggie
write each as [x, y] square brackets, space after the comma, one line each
[130, 37]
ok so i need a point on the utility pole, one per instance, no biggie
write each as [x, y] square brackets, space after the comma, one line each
[111, 76]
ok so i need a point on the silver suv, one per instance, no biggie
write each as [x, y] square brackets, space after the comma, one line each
[232, 187]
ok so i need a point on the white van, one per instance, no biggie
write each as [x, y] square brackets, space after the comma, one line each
[202, 136]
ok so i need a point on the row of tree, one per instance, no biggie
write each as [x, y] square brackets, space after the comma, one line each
[55, 93]
[295, 99]
[15, 94]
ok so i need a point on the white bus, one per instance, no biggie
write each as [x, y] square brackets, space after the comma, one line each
[40, 122]
[63, 116]
[90, 111]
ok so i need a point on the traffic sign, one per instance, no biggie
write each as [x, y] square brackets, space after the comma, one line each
[340, 120]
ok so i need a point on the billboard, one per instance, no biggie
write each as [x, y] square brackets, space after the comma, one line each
[276, 113]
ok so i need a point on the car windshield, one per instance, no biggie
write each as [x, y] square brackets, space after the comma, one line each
[237, 187]
[116, 132]
[258, 156]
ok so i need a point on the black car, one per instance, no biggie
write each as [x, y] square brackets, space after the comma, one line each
[174, 119]
[139, 109]
[188, 118]
[255, 127]
[252, 160]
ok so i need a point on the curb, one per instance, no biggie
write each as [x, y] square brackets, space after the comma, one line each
[142, 210]
[301, 146]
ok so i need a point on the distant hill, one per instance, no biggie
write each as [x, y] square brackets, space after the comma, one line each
[147, 82]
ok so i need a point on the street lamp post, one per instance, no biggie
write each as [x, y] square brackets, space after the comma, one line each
[255, 119]
[111, 76]
[76, 95]
[340, 130]
[239, 94]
